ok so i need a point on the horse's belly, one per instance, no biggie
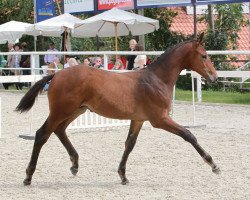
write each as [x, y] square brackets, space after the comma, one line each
[118, 111]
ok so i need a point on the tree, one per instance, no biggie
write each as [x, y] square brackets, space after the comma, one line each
[227, 24]
[164, 36]
[19, 10]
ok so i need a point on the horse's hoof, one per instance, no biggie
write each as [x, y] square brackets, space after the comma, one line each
[216, 170]
[74, 170]
[125, 182]
[27, 182]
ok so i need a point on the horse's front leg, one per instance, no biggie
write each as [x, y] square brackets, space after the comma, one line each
[135, 127]
[169, 125]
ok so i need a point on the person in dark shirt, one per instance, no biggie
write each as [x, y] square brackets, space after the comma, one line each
[25, 59]
[25, 63]
[131, 58]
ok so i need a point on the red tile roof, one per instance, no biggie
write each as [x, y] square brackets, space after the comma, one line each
[184, 23]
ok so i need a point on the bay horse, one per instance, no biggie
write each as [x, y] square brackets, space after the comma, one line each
[139, 96]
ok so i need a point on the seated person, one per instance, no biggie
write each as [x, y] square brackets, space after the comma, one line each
[72, 62]
[54, 66]
[78, 60]
[86, 61]
[140, 60]
[110, 62]
[118, 65]
[66, 65]
[98, 63]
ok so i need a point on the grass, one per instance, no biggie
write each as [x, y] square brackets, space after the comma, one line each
[216, 97]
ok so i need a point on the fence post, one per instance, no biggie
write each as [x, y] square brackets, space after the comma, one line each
[199, 91]
[105, 58]
[0, 117]
[32, 64]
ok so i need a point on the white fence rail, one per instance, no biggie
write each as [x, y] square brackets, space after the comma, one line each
[34, 55]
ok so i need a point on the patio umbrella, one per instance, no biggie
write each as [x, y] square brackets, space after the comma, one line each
[55, 27]
[115, 22]
[12, 30]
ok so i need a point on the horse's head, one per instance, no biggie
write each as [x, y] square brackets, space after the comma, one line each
[200, 62]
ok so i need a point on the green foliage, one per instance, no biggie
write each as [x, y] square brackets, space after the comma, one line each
[19, 10]
[227, 24]
[184, 82]
[163, 38]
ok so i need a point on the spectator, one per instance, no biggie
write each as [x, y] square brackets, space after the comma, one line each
[123, 59]
[110, 63]
[2, 63]
[140, 60]
[86, 61]
[25, 60]
[72, 62]
[78, 60]
[58, 63]
[131, 58]
[49, 58]
[98, 63]
[55, 66]
[15, 60]
[10, 49]
[92, 61]
[118, 65]
[66, 65]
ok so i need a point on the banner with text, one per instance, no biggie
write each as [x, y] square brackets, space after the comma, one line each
[78, 6]
[162, 3]
[109, 4]
[45, 9]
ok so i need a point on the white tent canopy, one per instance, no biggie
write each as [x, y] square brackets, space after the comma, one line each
[115, 22]
[12, 30]
[54, 26]
[104, 24]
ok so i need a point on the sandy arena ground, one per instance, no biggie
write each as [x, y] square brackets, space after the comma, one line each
[162, 165]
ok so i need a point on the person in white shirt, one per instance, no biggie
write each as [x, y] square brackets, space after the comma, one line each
[66, 65]
[140, 60]
[49, 58]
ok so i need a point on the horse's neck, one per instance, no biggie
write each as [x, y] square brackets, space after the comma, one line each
[169, 68]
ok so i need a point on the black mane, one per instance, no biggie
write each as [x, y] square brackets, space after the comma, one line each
[169, 50]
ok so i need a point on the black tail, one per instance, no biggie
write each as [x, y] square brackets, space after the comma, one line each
[28, 99]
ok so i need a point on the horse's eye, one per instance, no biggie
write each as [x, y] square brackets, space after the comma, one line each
[204, 57]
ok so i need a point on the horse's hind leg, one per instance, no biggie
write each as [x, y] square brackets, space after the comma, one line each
[61, 134]
[135, 127]
[42, 135]
[169, 125]
[70, 149]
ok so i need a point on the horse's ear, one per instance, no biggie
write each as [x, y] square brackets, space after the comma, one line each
[200, 39]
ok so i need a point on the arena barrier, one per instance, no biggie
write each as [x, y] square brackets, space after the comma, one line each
[91, 120]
